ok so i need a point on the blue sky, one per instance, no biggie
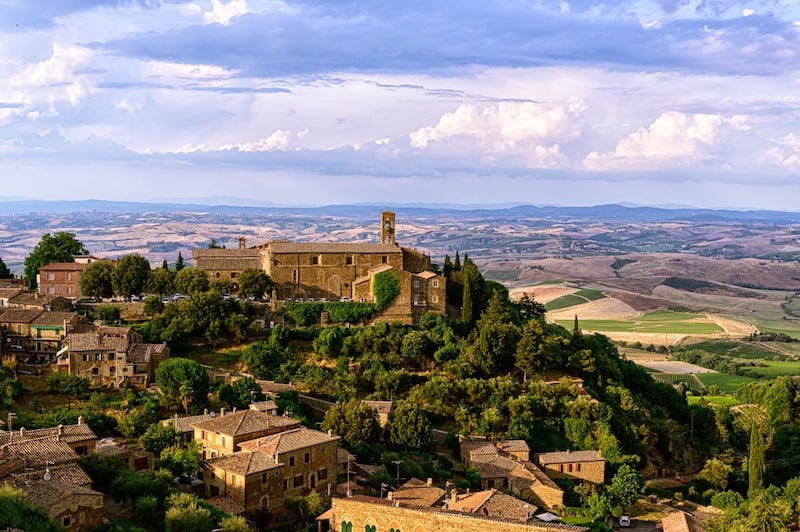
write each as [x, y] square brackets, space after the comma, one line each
[692, 102]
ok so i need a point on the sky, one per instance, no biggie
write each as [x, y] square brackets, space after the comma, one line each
[653, 102]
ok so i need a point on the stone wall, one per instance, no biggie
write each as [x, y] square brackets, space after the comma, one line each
[590, 471]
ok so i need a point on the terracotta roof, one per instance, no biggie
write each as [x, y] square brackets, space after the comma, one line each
[416, 492]
[244, 463]
[470, 502]
[381, 407]
[489, 466]
[245, 422]
[68, 474]
[264, 406]
[63, 267]
[527, 475]
[226, 505]
[185, 423]
[94, 341]
[509, 507]
[34, 299]
[226, 259]
[48, 318]
[44, 494]
[563, 457]
[142, 352]
[681, 522]
[342, 456]
[426, 275]
[7, 292]
[477, 447]
[332, 247]
[18, 315]
[288, 441]
[41, 453]
[69, 434]
[513, 446]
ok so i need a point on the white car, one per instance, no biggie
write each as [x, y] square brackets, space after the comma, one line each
[624, 521]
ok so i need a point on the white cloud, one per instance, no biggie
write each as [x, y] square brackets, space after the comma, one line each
[223, 13]
[674, 138]
[746, 12]
[279, 140]
[532, 130]
[786, 152]
[56, 77]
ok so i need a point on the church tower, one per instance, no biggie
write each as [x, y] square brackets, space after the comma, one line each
[387, 227]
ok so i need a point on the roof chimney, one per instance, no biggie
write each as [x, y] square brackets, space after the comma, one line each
[430, 481]
[205, 412]
[242, 242]
[330, 433]
[60, 430]
[454, 494]
[222, 411]
[234, 410]
[390, 495]
[80, 420]
[22, 432]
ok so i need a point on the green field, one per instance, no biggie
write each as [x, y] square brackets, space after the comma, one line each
[788, 327]
[734, 348]
[727, 383]
[584, 295]
[691, 380]
[645, 326]
[669, 315]
[773, 369]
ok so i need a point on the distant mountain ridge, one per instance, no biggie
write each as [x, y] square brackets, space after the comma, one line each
[609, 213]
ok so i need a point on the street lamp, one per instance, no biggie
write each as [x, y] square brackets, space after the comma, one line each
[349, 493]
[397, 463]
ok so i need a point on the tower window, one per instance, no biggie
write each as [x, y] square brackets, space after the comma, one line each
[348, 260]
[314, 260]
[384, 259]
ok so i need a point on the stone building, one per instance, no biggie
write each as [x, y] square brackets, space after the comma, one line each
[369, 513]
[60, 279]
[222, 435]
[330, 271]
[35, 336]
[112, 356]
[251, 480]
[576, 465]
[75, 508]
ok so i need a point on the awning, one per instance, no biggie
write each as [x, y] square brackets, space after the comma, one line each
[327, 515]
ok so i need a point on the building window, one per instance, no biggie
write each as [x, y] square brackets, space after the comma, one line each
[569, 468]
[370, 528]
[285, 484]
[435, 299]
[125, 369]
[51, 276]
[95, 372]
[233, 480]
[384, 259]
[294, 276]
[578, 468]
[202, 435]
[291, 461]
[263, 478]
[348, 260]
[233, 275]
[69, 289]
[314, 260]
[85, 358]
[111, 371]
[490, 483]
[298, 480]
[347, 526]
[217, 275]
[307, 457]
[323, 473]
[66, 521]
[560, 468]
[416, 283]
[98, 356]
[436, 283]
[69, 276]
[222, 441]
[111, 356]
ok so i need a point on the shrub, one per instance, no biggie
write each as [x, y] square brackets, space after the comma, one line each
[108, 313]
[385, 288]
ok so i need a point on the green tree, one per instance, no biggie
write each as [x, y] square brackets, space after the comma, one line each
[409, 427]
[355, 422]
[254, 283]
[241, 393]
[180, 460]
[153, 305]
[473, 292]
[5, 273]
[158, 437]
[17, 513]
[755, 464]
[625, 485]
[132, 424]
[599, 505]
[108, 313]
[188, 519]
[95, 280]
[457, 263]
[68, 384]
[183, 382]
[179, 264]
[716, 473]
[162, 282]
[101, 469]
[234, 523]
[130, 276]
[58, 247]
[130, 486]
[448, 267]
[191, 281]
[385, 287]
[263, 359]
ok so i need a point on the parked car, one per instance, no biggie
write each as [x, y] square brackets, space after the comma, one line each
[624, 521]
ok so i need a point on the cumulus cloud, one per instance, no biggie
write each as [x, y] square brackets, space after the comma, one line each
[673, 139]
[279, 140]
[57, 77]
[514, 128]
[786, 152]
[223, 12]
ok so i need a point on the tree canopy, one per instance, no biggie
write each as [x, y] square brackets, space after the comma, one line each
[96, 279]
[130, 275]
[254, 282]
[184, 383]
[58, 247]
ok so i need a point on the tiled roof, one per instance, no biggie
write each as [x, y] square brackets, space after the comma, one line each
[94, 341]
[226, 259]
[332, 247]
[513, 446]
[44, 494]
[68, 474]
[381, 407]
[264, 406]
[69, 434]
[226, 505]
[18, 315]
[426, 275]
[527, 475]
[470, 502]
[489, 466]
[563, 457]
[185, 423]
[476, 447]
[342, 456]
[63, 267]
[416, 492]
[681, 522]
[41, 453]
[9, 292]
[48, 318]
[33, 299]
[142, 352]
[244, 463]
[508, 507]
[245, 422]
[288, 441]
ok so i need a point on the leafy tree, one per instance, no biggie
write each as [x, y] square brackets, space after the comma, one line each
[147, 512]
[263, 358]
[716, 473]
[158, 437]
[308, 507]
[17, 513]
[755, 465]
[162, 281]
[355, 422]
[599, 505]
[59, 247]
[108, 313]
[234, 523]
[254, 282]
[101, 469]
[625, 485]
[329, 343]
[180, 460]
[68, 384]
[191, 281]
[179, 265]
[130, 485]
[130, 276]
[222, 286]
[448, 267]
[183, 382]
[188, 519]
[95, 280]
[132, 424]
[409, 427]
[153, 305]
[5, 273]
[473, 292]
[457, 263]
[164, 265]
[241, 393]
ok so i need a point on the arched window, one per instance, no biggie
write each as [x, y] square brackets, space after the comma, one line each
[370, 528]
[347, 526]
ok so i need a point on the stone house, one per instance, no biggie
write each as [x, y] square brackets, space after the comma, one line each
[383, 409]
[222, 435]
[112, 356]
[76, 508]
[60, 279]
[575, 465]
[221, 263]
[35, 301]
[35, 336]
[252, 480]
[416, 492]
[15, 324]
[492, 503]
[7, 292]
[79, 437]
[369, 513]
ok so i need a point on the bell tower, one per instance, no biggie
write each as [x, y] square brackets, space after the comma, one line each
[387, 227]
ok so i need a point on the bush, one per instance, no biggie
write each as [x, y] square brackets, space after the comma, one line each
[385, 288]
[107, 313]
[349, 312]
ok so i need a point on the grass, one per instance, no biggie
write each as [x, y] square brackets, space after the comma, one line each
[669, 315]
[589, 294]
[727, 383]
[645, 326]
[584, 295]
[773, 369]
[749, 350]
[788, 327]
[717, 401]
[695, 384]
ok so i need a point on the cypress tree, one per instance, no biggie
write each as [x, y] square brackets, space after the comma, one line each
[164, 265]
[448, 267]
[179, 263]
[457, 263]
[755, 465]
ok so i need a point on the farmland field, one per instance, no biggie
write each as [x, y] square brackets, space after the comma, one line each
[719, 401]
[773, 369]
[727, 383]
[645, 325]
[584, 295]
